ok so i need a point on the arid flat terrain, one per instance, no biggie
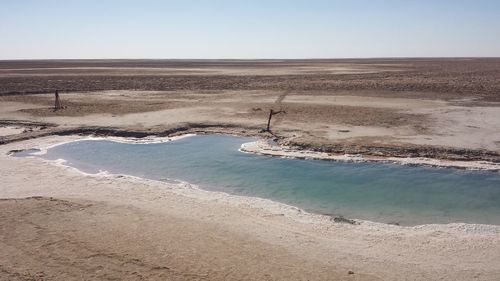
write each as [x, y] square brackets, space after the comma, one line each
[73, 241]
[438, 108]
[116, 228]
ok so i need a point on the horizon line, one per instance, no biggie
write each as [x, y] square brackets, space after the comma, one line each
[250, 59]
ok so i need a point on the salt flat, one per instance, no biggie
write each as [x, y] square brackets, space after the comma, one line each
[122, 227]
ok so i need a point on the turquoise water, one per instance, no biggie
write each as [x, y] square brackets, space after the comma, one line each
[381, 192]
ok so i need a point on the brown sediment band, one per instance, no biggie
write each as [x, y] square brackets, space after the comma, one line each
[402, 150]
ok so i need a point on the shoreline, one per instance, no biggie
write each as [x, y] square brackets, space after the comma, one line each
[263, 147]
[295, 213]
[406, 153]
[382, 251]
[437, 112]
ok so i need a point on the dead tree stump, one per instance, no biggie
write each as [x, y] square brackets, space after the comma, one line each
[271, 114]
[57, 103]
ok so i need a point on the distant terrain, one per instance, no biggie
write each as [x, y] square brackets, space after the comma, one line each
[439, 108]
[57, 223]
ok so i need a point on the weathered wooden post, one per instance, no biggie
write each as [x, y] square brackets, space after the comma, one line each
[57, 103]
[271, 114]
[269, 120]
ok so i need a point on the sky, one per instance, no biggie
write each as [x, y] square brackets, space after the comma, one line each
[248, 29]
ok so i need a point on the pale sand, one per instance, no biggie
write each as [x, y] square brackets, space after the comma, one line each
[10, 130]
[317, 119]
[111, 226]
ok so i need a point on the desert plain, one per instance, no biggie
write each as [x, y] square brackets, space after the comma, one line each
[60, 224]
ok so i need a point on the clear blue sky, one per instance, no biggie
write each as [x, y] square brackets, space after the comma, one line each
[248, 28]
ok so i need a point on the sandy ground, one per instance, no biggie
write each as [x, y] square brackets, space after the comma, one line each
[51, 239]
[9, 130]
[117, 227]
[124, 228]
[439, 108]
[341, 123]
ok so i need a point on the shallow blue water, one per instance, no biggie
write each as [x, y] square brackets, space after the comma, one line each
[380, 192]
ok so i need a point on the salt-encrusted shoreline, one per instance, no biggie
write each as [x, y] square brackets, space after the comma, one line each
[296, 214]
[263, 147]
[272, 207]
[426, 252]
[50, 142]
